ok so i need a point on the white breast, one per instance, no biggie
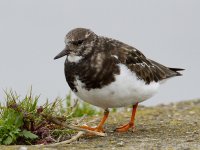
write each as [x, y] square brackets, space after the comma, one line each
[126, 90]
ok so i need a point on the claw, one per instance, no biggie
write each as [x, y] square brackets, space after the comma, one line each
[125, 127]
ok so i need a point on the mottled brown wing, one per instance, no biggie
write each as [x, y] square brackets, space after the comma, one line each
[145, 69]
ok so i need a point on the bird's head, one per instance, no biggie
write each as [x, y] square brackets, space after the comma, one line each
[78, 42]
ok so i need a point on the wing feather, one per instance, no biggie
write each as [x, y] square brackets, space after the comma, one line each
[145, 69]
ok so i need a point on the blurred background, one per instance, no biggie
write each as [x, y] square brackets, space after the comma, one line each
[32, 33]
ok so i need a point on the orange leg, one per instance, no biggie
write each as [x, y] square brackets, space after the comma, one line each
[99, 128]
[125, 127]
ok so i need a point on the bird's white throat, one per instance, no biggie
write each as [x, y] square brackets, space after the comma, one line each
[73, 58]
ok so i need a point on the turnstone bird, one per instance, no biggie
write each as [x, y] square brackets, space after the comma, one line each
[108, 73]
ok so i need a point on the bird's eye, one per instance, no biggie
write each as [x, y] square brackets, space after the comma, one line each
[79, 42]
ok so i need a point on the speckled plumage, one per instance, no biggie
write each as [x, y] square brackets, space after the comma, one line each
[94, 61]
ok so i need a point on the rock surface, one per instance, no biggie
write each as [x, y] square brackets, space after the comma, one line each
[174, 126]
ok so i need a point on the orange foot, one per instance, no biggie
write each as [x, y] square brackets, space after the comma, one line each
[97, 129]
[129, 125]
[125, 127]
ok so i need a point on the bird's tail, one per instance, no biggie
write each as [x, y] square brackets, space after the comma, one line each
[177, 71]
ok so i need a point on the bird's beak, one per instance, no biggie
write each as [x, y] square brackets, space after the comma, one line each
[64, 52]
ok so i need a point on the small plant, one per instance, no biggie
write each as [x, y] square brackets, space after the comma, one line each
[12, 121]
[22, 120]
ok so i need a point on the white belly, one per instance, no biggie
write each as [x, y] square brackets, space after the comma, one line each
[125, 90]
